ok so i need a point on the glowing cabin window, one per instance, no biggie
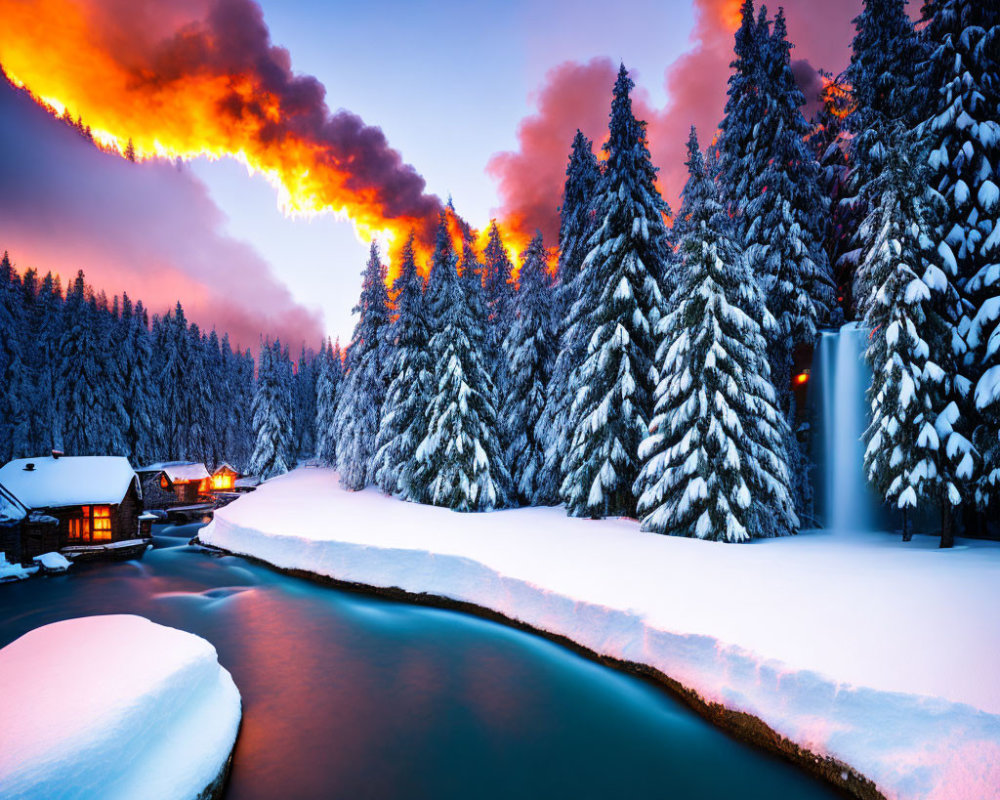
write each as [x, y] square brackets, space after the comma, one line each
[222, 481]
[102, 524]
[164, 483]
[93, 525]
[79, 527]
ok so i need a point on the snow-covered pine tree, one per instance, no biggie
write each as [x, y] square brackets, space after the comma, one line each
[698, 190]
[529, 352]
[410, 378]
[140, 403]
[784, 217]
[885, 54]
[46, 333]
[713, 460]
[612, 390]
[79, 372]
[241, 420]
[460, 460]
[739, 159]
[498, 285]
[910, 444]
[330, 371]
[362, 391]
[963, 127]
[173, 356]
[272, 414]
[198, 386]
[783, 221]
[829, 144]
[14, 380]
[577, 220]
[305, 405]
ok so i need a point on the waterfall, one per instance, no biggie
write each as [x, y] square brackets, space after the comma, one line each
[844, 501]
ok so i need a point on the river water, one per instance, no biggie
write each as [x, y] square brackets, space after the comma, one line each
[349, 696]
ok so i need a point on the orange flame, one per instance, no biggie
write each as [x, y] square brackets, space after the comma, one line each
[201, 78]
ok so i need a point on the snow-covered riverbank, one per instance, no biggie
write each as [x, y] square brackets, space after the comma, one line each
[880, 654]
[114, 707]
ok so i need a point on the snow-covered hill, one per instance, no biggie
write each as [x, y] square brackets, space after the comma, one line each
[881, 654]
[114, 708]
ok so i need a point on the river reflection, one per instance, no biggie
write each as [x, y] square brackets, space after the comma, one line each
[357, 697]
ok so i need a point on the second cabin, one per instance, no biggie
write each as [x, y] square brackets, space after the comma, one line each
[168, 483]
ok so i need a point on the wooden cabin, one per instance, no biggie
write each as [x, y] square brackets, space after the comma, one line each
[70, 501]
[170, 483]
[224, 478]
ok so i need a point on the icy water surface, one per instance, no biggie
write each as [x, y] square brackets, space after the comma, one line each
[346, 696]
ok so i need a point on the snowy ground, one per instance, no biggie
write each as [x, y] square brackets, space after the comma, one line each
[113, 707]
[882, 654]
[14, 572]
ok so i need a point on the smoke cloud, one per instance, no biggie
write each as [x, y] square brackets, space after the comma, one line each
[201, 77]
[149, 229]
[576, 95]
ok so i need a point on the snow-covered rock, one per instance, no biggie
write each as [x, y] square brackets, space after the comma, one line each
[113, 707]
[881, 654]
[53, 562]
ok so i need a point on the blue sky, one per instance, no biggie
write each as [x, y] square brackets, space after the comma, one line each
[448, 82]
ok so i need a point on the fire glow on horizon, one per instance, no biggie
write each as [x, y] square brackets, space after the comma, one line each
[202, 79]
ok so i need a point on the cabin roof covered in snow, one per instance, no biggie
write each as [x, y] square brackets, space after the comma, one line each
[178, 471]
[68, 480]
[225, 466]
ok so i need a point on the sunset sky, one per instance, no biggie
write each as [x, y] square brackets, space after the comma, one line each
[480, 99]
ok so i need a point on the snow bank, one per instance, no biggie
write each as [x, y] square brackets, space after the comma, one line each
[881, 654]
[113, 707]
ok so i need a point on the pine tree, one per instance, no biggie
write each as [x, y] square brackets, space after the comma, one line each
[139, 398]
[240, 426]
[410, 378]
[613, 388]
[79, 373]
[783, 218]
[272, 414]
[529, 352]
[14, 380]
[829, 143]
[305, 405]
[577, 220]
[713, 460]
[460, 460]
[783, 221]
[47, 334]
[909, 443]
[331, 370]
[498, 283]
[173, 356]
[963, 128]
[884, 57]
[362, 391]
[198, 398]
[739, 159]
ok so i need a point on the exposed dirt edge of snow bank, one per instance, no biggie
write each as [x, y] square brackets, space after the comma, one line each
[740, 724]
